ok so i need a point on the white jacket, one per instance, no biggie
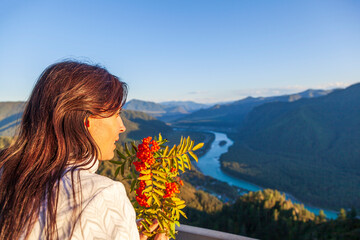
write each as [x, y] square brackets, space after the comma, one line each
[106, 212]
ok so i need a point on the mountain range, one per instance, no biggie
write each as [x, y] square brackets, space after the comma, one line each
[309, 148]
[165, 111]
[228, 117]
[306, 144]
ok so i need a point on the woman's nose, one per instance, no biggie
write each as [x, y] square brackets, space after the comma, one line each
[122, 127]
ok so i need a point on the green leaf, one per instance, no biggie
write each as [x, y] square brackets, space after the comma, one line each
[198, 146]
[127, 150]
[117, 171]
[122, 169]
[134, 147]
[121, 155]
[116, 162]
[132, 185]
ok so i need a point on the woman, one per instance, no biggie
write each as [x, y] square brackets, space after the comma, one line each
[49, 189]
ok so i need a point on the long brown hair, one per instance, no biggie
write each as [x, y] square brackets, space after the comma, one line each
[52, 134]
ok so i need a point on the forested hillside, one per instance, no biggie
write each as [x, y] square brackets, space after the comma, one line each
[309, 148]
[267, 215]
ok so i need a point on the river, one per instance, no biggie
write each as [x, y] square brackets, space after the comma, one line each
[209, 164]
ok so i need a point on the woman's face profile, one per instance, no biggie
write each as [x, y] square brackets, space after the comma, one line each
[105, 132]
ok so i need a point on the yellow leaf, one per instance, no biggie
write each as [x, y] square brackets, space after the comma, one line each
[175, 199]
[198, 146]
[187, 160]
[148, 182]
[181, 206]
[187, 143]
[160, 178]
[180, 202]
[181, 163]
[161, 223]
[165, 151]
[145, 226]
[181, 143]
[158, 192]
[145, 172]
[177, 215]
[145, 177]
[157, 200]
[172, 150]
[182, 213]
[162, 174]
[159, 185]
[191, 145]
[166, 224]
[148, 189]
[149, 201]
[165, 216]
[194, 156]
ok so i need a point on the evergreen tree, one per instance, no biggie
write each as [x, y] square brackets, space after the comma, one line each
[342, 215]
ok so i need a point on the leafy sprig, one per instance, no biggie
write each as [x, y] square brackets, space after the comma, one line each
[154, 174]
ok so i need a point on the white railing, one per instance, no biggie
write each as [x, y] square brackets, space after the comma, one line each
[186, 232]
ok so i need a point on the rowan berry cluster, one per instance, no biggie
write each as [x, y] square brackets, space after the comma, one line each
[171, 188]
[145, 153]
[141, 198]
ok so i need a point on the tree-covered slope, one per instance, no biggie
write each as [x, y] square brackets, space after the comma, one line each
[268, 215]
[309, 148]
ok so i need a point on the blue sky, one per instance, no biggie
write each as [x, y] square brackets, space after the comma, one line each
[206, 51]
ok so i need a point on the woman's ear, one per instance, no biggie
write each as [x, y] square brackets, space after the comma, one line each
[87, 123]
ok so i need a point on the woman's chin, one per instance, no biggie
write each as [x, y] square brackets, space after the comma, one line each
[108, 156]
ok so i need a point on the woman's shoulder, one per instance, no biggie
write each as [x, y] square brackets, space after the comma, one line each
[90, 184]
